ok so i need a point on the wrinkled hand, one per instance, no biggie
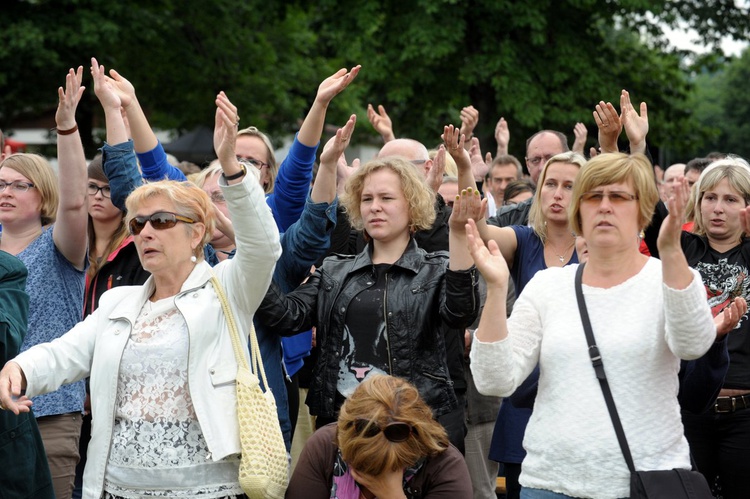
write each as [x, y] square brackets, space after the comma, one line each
[581, 133]
[225, 130]
[468, 205]
[502, 137]
[728, 318]
[636, 126]
[488, 259]
[469, 120]
[104, 87]
[336, 145]
[609, 125]
[454, 141]
[389, 484]
[479, 165]
[671, 227]
[335, 84]
[12, 382]
[65, 117]
[381, 122]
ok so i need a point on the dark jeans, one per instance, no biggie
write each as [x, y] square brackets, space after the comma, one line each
[720, 444]
[454, 423]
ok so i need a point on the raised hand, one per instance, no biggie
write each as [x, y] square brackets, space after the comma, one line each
[469, 120]
[434, 177]
[488, 259]
[104, 88]
[609, 125]
[335, 147]
[502, 137]
[65, 117]
[335, 84]
[671, 228]
[225, 132]
[381, 122]
[636, 126]
[468, 205]
[479, 165]
[581, 133]
[123, 87]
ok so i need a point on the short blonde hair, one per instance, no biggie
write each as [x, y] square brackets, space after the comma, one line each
[420, 197]
[607, 169]
[188, 199]
[273, 167]
[379, 400]
[214, 168]
[40, 173]
[737, 173]
[537, 220]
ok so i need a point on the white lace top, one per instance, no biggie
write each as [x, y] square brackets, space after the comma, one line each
[158, 448]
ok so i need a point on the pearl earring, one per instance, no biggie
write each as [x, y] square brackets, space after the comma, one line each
[193, 259]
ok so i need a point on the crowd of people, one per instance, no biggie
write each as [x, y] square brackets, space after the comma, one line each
[422, 307]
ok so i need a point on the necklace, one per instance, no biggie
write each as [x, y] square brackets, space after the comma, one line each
[559, 256]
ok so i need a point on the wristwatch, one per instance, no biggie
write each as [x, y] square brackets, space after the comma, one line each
[239, 174]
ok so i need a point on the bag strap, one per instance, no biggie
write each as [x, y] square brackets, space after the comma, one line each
[237, 343]
[596, 361]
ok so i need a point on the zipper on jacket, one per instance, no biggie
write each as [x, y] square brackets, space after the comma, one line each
[387, 331]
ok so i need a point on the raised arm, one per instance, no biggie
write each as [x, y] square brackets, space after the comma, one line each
[71, 226]
[468, 205]
[152, 157]
[675, 270]
[505, 237]
[111, 103]
[295, 173]
[324, 189]
[469, 121]
[381, 122]
[479, 165]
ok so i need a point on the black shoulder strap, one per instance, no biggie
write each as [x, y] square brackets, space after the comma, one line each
[596, 360]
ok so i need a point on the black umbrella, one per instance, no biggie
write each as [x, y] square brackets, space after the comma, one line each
[196, 146]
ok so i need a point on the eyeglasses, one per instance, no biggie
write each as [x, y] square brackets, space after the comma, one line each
[160, 220]
[614, 197]
[105, 190]
[537, 160]
[395, 432]
[418, 161]
[252, 162]
[16, 185]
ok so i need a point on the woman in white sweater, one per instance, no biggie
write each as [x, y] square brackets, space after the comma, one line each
[646, 315]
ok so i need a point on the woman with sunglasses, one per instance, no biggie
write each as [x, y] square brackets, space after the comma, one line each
[645, 314]
[159, 355]
[44, 224]
[385, 444]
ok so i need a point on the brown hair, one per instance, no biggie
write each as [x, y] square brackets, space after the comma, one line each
[96, 172]
[382, 399]
[40, 173]
[188, 199]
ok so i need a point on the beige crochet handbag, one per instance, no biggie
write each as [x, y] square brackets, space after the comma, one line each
[263, 466]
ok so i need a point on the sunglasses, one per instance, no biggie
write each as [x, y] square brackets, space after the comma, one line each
[395, 432]
[160, 220]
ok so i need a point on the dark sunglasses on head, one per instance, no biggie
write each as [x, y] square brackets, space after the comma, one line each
[395, 432]
[160, 220]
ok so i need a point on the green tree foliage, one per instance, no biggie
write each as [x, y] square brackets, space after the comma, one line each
[540, 64]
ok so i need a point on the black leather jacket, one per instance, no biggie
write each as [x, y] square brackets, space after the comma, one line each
[421, 294]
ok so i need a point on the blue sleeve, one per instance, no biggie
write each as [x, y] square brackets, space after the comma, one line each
[155, 167]
[292, 185]
[701, 379]
[525, 394]
[303, 244]
[121, 169]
